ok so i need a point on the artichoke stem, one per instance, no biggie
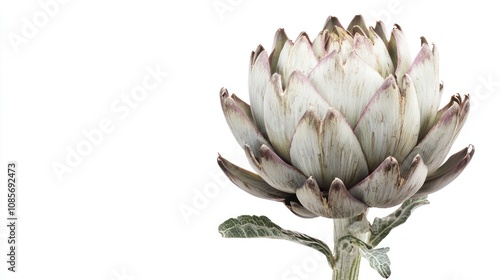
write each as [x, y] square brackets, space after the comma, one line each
[347, 256]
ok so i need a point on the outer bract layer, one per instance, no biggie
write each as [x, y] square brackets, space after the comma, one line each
[345, 122]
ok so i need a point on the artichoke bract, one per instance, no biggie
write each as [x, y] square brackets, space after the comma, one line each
[345, 122]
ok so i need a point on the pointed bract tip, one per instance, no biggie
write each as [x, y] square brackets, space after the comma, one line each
[336, 185]
[423, 40]
[332, 22]
[255, 54]
[471, 150]
[280, 35]
[397, 27]
[310, 182]
[303, 34]
[223, 92]
[416, 160]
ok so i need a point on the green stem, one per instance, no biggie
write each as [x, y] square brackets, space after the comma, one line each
[347, 257]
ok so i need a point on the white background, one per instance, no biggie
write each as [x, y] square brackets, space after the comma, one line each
[145, 202]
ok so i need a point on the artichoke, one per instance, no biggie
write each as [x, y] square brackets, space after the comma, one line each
[345, 122]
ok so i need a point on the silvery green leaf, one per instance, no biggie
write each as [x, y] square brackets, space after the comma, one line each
[247, 226]
[378, 260]
[382, 226]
